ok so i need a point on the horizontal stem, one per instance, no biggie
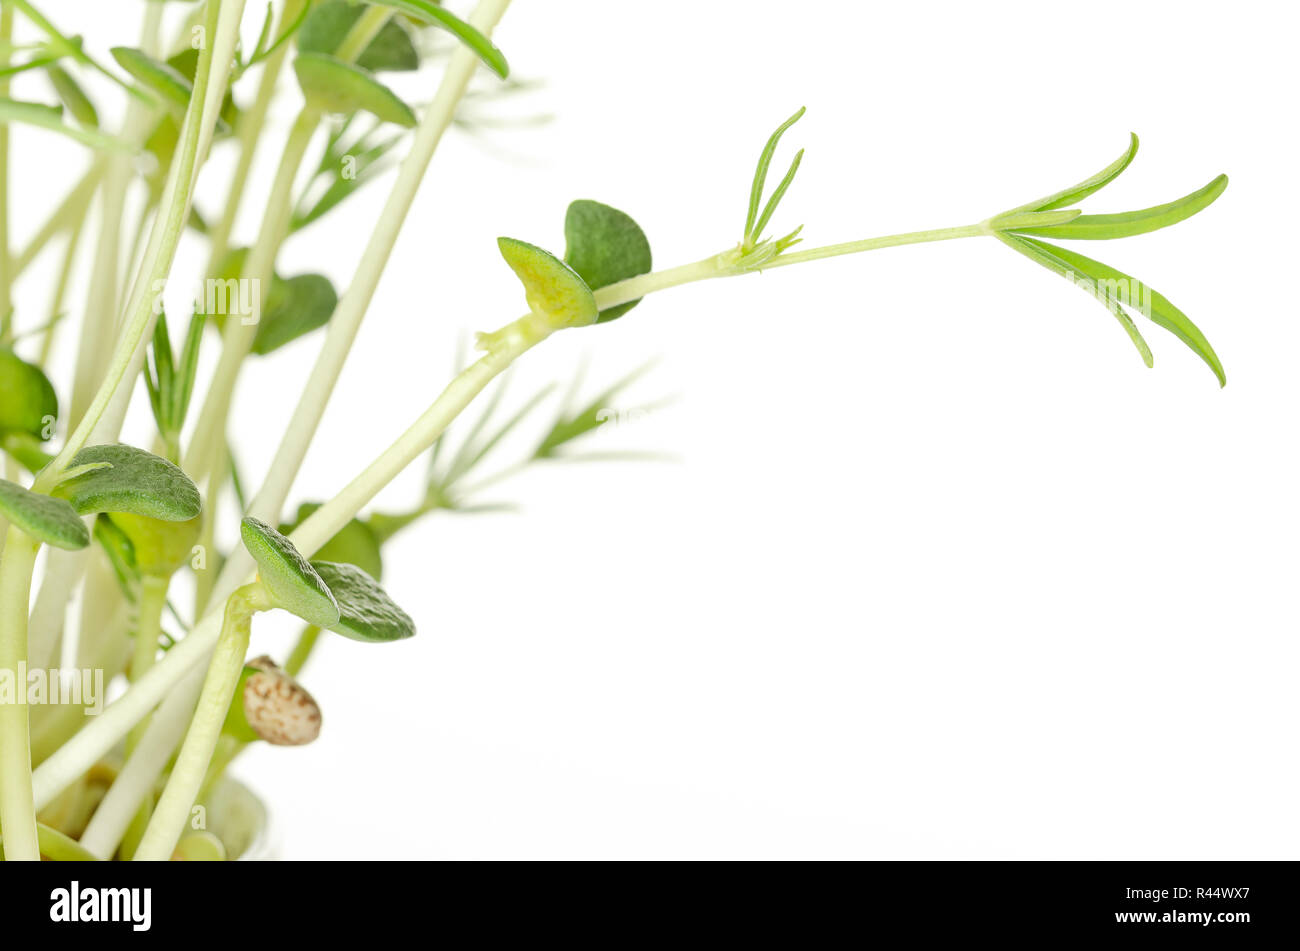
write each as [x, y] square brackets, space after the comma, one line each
[875, 244]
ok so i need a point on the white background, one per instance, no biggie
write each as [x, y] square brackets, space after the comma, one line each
[942, 571]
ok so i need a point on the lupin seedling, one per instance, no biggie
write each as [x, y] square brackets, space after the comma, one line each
[133, 522]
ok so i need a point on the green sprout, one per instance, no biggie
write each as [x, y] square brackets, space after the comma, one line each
[125, 530]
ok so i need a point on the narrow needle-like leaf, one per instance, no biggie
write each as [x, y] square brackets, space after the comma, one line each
[263, 34]
[261, 54]
[1076, 193]
[1128, 223]
[434, 14]
[1055, 264]
[188, 367]
[51, 117]
[501, 433]
[569, 426]
[1159, 309]
[458, 466]
[777, 195]
[760, 173]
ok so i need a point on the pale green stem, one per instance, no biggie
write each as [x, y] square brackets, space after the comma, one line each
[133, 249]
[228, 748]
[128, 796]
[227, 35]
[875, 244]
[135, 831]
[110, 402]
[99, 314]
[148, 629]
[240, 332]
[60, 291]
[200, 119]
[173, 809]
[56, 846]
[302, 650]
[249, 131]
[100, 649]
[71, 210]
[17, 806]
[352, 307]
[326, 521]
[101, 294]
[205, 578]
[59, 578]
[363, 31]
[153, 598]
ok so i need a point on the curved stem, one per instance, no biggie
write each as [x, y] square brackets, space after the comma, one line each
[60, 576]
[251, 124]
[100, 312]
[60, 290]
[200, 120]
[352, 307]
[259, 268]
[153, 598]
[327, 520]
[17, 805]
[240, 330]
[182, 788]
[228, 748]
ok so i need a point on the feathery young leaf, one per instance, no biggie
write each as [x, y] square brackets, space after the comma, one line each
[760, 175]
[1128, 223]
[1076, 193]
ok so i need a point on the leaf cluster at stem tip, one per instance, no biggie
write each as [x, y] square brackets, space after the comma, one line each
[1023, 228]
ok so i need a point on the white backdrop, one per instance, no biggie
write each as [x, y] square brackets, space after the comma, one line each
[941, 570]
